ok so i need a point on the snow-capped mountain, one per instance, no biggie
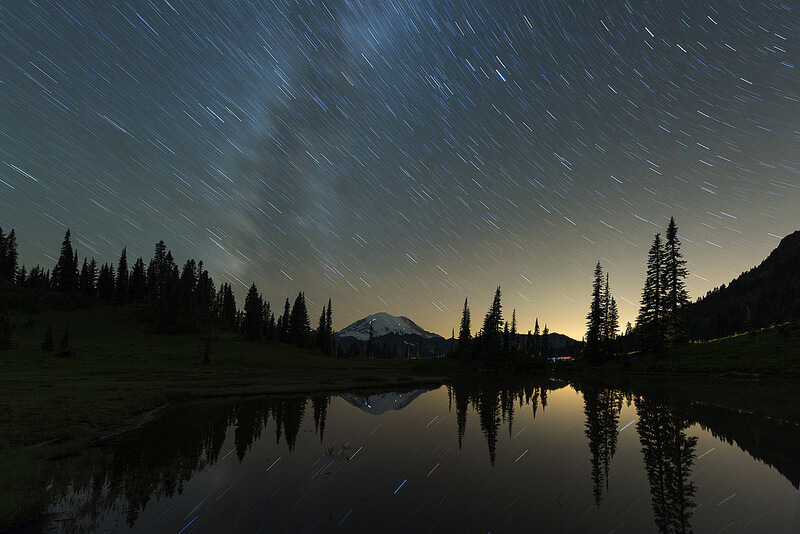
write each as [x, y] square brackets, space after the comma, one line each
[382, 324]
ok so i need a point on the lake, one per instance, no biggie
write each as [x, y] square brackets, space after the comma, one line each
[523, 456]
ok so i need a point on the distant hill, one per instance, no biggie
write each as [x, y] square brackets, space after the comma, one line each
[394, 337]
[768, 291]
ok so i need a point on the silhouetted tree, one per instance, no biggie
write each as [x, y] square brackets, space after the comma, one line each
[8, 256]
[491, 334]
[65, 273]
[137, 284]
[299, 323]
[121, 286]
[675, 294]
[105, 283]
[253, 314]
[595, 319]
[650, 322]
[464, 335]
[284, 322]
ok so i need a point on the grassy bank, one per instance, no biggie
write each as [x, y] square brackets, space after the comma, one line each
[773, 352]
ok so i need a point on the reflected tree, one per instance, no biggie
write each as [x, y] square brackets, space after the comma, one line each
[602, 407]
[668, 458]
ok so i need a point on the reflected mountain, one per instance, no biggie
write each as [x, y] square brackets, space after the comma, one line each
[382, 402]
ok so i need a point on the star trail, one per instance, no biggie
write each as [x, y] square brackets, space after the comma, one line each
[400, 156]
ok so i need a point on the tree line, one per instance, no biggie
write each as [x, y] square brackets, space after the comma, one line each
[500, 339]
[182, 299]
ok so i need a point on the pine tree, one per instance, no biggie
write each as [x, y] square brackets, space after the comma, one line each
[299, 324]
[8, 256]
[330, 347]
[595, 319]
[284, 322]
[253, 313]
[675, 294]
[650, 322]
[137, 283]
[65, 273]
[464, 335]
[545, 343]
[121, 285]
[492, 326]
[321, 332]
[105, 283]
[513, 332]
[537, 341]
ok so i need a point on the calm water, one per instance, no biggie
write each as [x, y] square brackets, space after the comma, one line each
[470, 457]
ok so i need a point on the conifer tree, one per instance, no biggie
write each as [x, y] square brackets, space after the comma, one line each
[537, 340]
[8, 256]
[331, 345]
[464, 335]
[299, 324]
[650, 322]
[137, 283]
[284, 322]
[65, 273]
[121, 285]
[513, 332]
[675, 295]
[321, 333]
[105, 283]
[595, 318]
[492, 325]
[253, 313]
[545, 343]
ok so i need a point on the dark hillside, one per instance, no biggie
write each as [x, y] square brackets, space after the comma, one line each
[769, 291]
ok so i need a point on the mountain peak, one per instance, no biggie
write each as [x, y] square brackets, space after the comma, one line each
[384, 323]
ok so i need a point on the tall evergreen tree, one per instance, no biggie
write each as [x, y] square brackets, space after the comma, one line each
[464, 335]
[650, 322]
[321, 332]
[8, 256]
[105, 283]
[284, 322]
[331, 344]
[65, 273]
[537, 340]
[121, 285]
[299, 323]
[137, 284]
[492, 325]
[675, 295]
[545, 343]
[253, 313]
[513, 332]
[595, 318]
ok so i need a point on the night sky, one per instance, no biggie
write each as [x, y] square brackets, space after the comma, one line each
[402, 155]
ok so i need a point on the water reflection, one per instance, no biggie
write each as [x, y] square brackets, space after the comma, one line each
[137, 470]
[602, 407]
[668, 458]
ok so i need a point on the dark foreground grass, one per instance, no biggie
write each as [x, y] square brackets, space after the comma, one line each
[772, 352]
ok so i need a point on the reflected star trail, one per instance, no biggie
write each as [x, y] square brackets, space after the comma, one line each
[400, 156]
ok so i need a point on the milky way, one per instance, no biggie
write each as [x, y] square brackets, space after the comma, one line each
[400, 156]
